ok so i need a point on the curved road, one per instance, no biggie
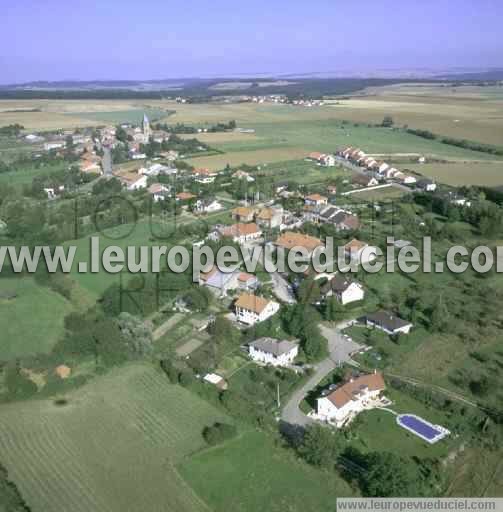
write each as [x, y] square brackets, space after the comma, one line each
[340, 350]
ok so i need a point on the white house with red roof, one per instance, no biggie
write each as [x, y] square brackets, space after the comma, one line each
[341, 403]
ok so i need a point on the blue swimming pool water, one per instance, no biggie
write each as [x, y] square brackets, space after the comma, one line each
[414, 423]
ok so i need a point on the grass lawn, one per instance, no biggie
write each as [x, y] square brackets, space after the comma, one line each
[377, 430]
[252, 473]
[33, 321]
[113, 447]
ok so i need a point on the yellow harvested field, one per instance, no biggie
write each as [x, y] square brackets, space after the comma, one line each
[257, 157]
[441, 110]
[489, 174]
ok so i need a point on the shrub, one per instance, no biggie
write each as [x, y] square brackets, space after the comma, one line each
[218, 433]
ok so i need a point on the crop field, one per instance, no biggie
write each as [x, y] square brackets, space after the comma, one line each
[32, 321]
[489, 174]
[254, 157]
[473, 113]
[112, 447]
[134, 116]
[64, 114]
[250, 473]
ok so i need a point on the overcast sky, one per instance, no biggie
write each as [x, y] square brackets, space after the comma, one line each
[153, 39]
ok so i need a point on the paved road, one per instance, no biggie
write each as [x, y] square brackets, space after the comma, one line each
[281, 286]
[340, 350]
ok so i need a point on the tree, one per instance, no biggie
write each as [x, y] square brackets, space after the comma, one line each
[309, 291]
[439, 316]
[135, 334]
[387, 122]
[389, 475]
[320, 446]
[334, 310]
[17, 384]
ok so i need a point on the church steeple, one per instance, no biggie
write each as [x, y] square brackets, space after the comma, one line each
[146, 128]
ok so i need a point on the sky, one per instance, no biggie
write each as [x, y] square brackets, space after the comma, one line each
[156, 39]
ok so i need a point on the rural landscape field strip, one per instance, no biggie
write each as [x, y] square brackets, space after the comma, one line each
[113, 447]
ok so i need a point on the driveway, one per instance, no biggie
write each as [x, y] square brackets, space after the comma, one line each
[340, 350]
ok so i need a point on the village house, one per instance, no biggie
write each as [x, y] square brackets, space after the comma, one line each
[426, 185]
[219, 282]
[272, 351]
[247, 282]
[332, 190]
[383, 166]
[363, 180]
[156, 169]
[360, 252]
[315, 200]
[344, 289]
[340, 405]
[388, 322]
[240, 232]
[207, 205]
[269, 217]
[158, 191]
[243, 214]
[90, 163]
[185, 196]
[250, 308]
[204, 176]
[289, 239]
[242, 175]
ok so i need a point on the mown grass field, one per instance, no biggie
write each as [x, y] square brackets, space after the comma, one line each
[489, 174]
[113, 447]
[33, 321]
[250, 473]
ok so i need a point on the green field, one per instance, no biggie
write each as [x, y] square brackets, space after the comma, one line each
[251, 473]
[489, 174]
[141, 234]
[113, 447]
[24, 176]
[379, 194]
[33, 321]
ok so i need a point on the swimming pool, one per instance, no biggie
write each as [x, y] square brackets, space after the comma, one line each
[422, 428]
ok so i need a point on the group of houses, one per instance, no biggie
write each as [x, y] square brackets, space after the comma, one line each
[375, 171]
[318, 211]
